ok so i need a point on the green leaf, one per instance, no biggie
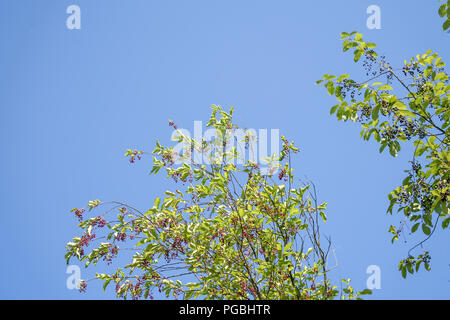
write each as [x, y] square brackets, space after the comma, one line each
[330, 87]
[366, 291]
[400, 105]
[410, 268]
[442, 10]
[385, 87]
[342, 77]
[156, 202]
[189, 294]
[426, 229]
[375, 112]
[377, 136]
[105, 284]
[383, 146]
[419, 151]
[358, 53]
[446, 223]
[333, 109]
[393, 150]
[328, 76]
[446, 25]
[406, 113]
[344, 35]
[324, 217]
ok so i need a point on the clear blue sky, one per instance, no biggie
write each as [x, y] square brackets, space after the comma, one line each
[72, 101]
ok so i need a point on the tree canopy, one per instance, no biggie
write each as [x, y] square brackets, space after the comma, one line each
[232, 231]
[406, 104]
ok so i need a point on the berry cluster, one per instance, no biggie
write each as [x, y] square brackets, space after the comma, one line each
[243, 286]
[391, 133]
[121, 236]
[419, 189]
[79, 214]
[136, 154]
[178, 176]
[411, 128]
[170, 255]
[114, 251]
[172, 124]
[85, 239]
[99, 222]
[82, 286]
[368, 63]
[349, 87]
[168, 158]
[136, 227]
[177, 244]
[283, 175]
[386, 66]
[426, 258]
[413, 70]
[365, 113]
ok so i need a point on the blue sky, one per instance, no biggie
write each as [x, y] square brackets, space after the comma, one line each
[72, 101]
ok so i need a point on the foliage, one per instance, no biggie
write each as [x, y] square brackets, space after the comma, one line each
[236, 232]
[415, 112]
[444, 12]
